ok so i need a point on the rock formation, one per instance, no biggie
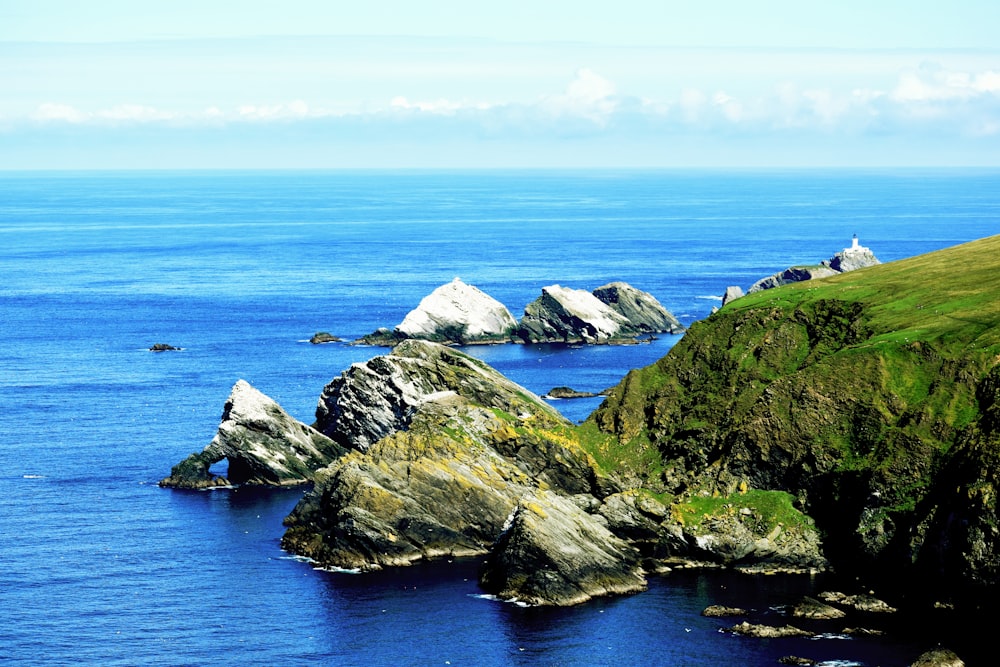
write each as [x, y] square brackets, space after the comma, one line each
[614, 313]
[453, 313]
[262, 443]
[322, 337]
[642, 311]
[849, 259]
[732, 293]
[552, 552]
[939, 657]
[460, 448]
[376, 398]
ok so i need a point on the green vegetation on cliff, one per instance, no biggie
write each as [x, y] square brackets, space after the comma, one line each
[858, 394]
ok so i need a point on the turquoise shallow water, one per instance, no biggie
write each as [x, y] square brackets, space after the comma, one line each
[239, 269]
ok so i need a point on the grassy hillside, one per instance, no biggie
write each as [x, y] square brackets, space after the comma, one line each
[858, 394]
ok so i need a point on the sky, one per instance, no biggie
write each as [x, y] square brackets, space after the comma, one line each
[109, 84]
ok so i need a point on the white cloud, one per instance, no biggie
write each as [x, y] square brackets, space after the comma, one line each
[59, 112]
[589, 95]
[931, 83]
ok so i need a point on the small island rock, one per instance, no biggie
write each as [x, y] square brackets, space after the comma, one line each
[163, 347]
[263, 444]
[454, 313]
[642, 311]
[321, 337]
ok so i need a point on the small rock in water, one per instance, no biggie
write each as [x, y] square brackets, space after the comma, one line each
[719, 611]
[163, 347]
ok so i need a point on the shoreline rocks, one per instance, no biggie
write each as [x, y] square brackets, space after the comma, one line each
[852, 258]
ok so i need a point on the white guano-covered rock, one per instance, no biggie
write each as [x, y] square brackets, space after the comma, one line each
[562, 314]
[460, 313]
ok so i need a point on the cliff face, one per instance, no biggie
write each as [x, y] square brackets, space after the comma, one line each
[869, 397]
[376, 398]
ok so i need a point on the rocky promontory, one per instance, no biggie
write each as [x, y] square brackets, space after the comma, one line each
[854, 257]
[869, 398]
[262, 443]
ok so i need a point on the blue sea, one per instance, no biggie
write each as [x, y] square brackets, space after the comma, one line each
[101, 566]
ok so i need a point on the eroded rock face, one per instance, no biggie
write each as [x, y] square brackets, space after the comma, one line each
[564, 315]
[453, 313]
[642, 311]
[445, 486]
[263, 444]
[376, 398]
[552, 552]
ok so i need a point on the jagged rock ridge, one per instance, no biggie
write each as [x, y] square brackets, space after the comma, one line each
[460, 314]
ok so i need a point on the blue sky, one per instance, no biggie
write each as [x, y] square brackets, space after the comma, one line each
[441, 83]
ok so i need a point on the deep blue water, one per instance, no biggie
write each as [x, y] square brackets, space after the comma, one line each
[101, 566]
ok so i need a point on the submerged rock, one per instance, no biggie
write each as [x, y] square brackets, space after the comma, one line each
[263, 444]
[553, 553]
[454, 313]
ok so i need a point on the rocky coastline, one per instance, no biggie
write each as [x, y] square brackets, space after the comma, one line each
[780, 435]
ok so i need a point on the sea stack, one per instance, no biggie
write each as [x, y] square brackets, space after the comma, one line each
[454, 313]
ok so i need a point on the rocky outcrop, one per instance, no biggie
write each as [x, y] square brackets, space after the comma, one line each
[552, 552]
[793, 274]
[814, 609]
[322, 337]
[939, 657]
[614, 313]
[163, 347]
[376, 398]
[722, 611]
[645, 315]
[262, 443]
[446, 450]
[732, 293]
[454, 313]
[564, 315]
[568, 392]
[748, 629]
[849, 259]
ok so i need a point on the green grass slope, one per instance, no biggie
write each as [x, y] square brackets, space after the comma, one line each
[868, 396]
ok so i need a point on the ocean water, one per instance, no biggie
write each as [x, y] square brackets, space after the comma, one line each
[100, 566]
